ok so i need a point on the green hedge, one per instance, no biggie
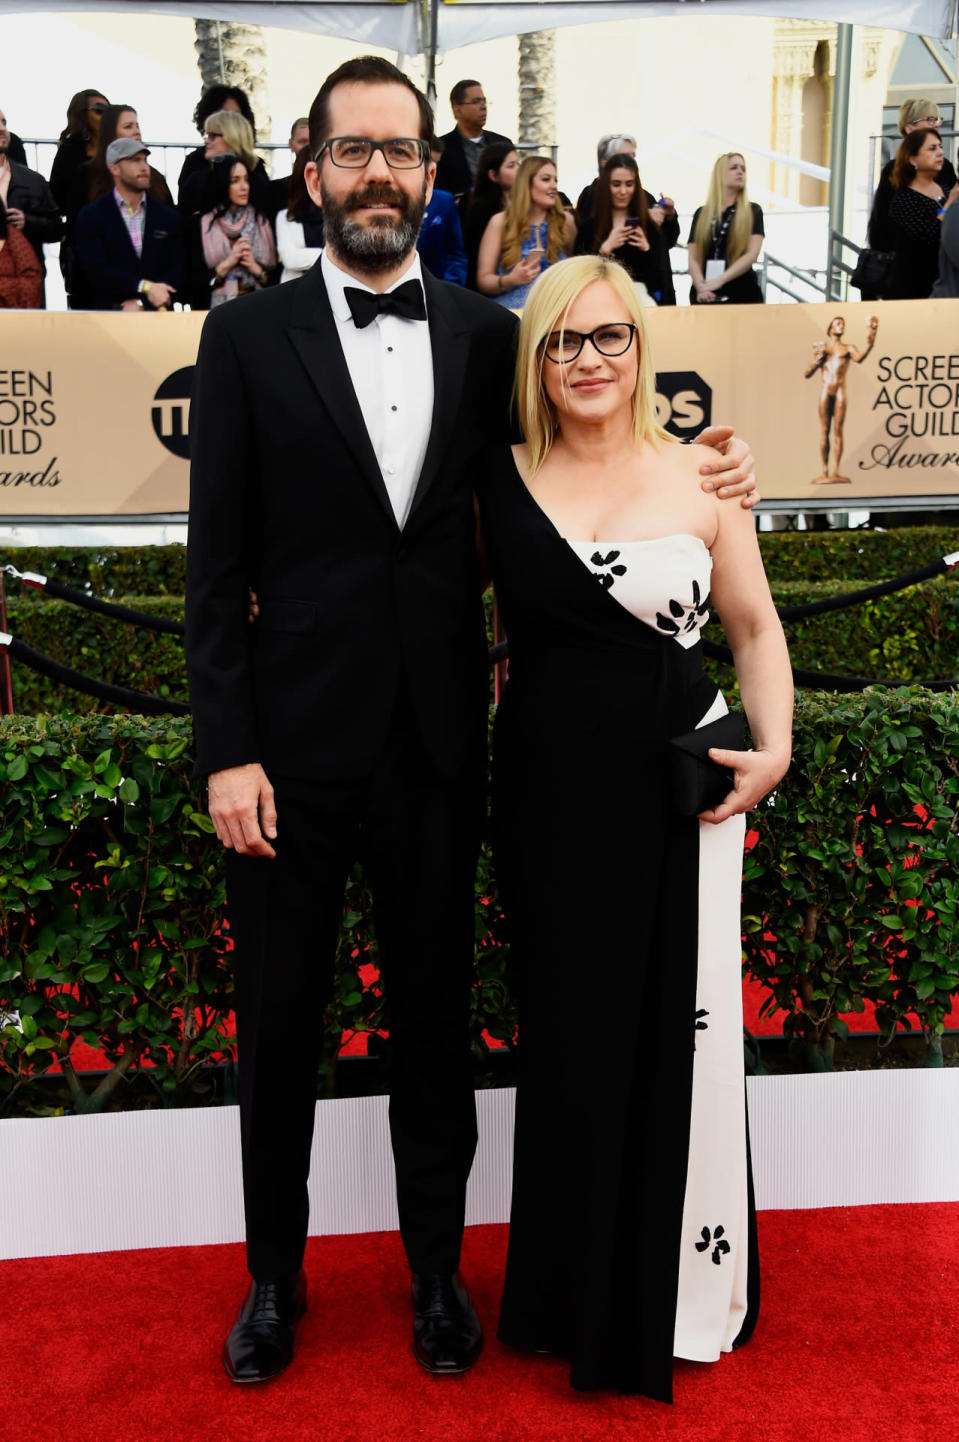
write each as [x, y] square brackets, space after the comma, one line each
[788, 556]
[100, 647]
[106, 571]
[855, 873]
[111, 901]
[862, 556]
[912, 636]
[111, 896]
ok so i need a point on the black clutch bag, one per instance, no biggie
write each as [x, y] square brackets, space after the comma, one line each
[698, 783]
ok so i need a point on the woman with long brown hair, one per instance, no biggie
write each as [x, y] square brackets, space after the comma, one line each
[95, 179]
[77, 143]
[620, 227]
[533, 232]
[237, 238]
[725, 239]
[496, 170]
[915, 215]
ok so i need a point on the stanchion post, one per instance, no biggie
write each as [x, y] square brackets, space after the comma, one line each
[6, 677]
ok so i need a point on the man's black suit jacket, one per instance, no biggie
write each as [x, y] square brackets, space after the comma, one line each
[29, 192]
[452, 170]
[287, 496]
[111, 268]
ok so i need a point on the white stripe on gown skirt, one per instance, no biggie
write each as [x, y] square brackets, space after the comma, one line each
[711, 1304]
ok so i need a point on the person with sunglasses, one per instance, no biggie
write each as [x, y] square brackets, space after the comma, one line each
[336, 426]
[631, 1232]
[76, 147]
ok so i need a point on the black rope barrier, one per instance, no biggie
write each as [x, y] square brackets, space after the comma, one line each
[60, 592]
[824, 681]
[139, 701]
[868, 593]
[157, 706]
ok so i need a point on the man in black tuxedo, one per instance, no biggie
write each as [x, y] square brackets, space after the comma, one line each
[336, 427]
[129, 246]
[456, 171]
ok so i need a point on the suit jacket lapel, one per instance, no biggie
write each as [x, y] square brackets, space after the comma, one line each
[449, 364]
[314, 337]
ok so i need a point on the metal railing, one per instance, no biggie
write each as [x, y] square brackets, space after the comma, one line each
[813, 278]
[838, 270]
[167, 156]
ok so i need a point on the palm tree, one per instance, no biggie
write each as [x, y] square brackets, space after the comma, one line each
[232, 54]
[537, 92]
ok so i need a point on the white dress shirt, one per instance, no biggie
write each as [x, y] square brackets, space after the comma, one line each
[391, 366]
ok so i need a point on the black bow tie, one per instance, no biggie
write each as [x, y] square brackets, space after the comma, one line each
[406, 301]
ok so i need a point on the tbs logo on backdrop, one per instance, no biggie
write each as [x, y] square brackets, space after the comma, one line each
[684, 403]
[171, 412]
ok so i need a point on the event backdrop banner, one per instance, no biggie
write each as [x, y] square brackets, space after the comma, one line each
[844, 404]
[94, 413]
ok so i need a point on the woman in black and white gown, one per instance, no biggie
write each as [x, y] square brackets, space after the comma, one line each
[632, 1230]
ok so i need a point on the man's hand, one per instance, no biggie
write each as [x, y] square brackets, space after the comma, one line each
[161, 295]
[131, 305]
[241, 803]
[16, 217]
[734, 473]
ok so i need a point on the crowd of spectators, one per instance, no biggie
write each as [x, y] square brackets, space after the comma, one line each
[494, 222]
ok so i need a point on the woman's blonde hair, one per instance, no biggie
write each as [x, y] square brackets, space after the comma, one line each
[237, 132]
[516, 221]
[545, 311]
[912, 110]
[741, 226]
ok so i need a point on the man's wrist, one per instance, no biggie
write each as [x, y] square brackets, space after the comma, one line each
[144, 287]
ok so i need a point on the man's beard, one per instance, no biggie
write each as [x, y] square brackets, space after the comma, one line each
[384, 241]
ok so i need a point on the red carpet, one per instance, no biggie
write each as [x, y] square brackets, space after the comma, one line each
[858, 1341]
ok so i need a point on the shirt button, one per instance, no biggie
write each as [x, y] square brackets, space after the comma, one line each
[389, 350]
[392, 408]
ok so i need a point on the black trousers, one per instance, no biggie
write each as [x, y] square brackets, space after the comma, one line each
[416, 834]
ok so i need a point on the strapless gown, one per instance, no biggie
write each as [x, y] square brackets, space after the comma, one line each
[632, 1234]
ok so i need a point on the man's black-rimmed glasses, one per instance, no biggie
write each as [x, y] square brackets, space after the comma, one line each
[563, 346]
[354, 152]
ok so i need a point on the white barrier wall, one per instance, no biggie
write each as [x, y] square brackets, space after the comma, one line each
[172, 1178]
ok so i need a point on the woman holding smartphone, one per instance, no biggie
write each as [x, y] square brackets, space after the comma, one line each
[533, 232]
[622, 229]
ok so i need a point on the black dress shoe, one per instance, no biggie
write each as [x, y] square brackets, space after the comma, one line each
[447, 1336]
[260, 1344]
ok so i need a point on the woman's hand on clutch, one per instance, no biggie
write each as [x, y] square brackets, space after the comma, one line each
[755, 774]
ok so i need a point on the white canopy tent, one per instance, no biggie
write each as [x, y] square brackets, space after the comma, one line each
[426, 27]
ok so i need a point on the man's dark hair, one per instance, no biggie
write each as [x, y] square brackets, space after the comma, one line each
[212, 99]
[370, 70]
[458, 93]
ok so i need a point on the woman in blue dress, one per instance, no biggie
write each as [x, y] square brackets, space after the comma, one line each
[533, 232]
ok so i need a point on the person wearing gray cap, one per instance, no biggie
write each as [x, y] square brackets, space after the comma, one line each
[129, 246]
